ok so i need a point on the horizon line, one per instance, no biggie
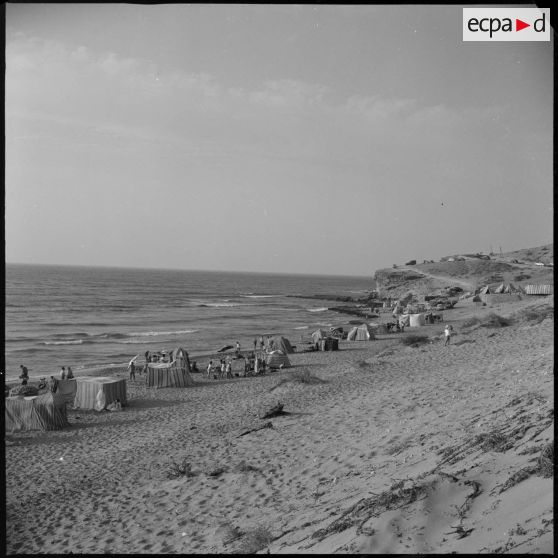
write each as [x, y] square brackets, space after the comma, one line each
[193, 270]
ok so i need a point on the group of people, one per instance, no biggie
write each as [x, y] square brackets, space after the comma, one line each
[395, 327]
[66, 373]
[223, 369]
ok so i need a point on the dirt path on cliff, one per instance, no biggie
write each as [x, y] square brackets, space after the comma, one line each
[465, 284]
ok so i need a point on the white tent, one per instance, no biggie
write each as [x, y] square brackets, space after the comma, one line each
[277, 359]
[362, 332]
[416, 320]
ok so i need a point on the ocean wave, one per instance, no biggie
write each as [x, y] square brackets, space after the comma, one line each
[321, 309]
[68, 342]
[155, 333]
[71, 334]
[219, 305]
[301, 327]
[113, 335]
[259, 296]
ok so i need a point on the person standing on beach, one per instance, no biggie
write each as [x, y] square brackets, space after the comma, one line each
[222, 371]
[447, 332]
[228, 369]
[69, 374]
[255, 344]
[52, 384]
[24, 372]
[209, 368]
[62, 373]
[261, 343]
[132, 368]
[237, 348]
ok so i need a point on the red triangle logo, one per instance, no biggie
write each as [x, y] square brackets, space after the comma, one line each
[519, 25]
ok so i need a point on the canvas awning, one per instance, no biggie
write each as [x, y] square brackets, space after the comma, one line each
[39, 412]
[88, 388]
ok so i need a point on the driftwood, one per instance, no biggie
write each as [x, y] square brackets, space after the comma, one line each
[274, 411]
[266, 425]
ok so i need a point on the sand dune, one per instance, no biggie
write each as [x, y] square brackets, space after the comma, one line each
[396, 450]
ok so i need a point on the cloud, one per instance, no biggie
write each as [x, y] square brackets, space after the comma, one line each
[133, 98]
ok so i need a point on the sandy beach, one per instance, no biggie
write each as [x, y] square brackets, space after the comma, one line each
[384, 448]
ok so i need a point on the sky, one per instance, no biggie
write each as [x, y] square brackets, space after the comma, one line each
[270, 138]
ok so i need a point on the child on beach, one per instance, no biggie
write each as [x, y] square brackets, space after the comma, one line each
[448, 332]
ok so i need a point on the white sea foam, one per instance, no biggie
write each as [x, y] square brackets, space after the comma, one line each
[69, 342]
[155, 333]
[321, 309]
[259, 296]
[301, 327]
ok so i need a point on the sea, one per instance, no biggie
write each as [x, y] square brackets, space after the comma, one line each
[99, 316]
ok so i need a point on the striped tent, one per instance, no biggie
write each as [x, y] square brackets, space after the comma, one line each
[40, 412]
[277, 359]
[170, 374]
[538, 289]
[362, 332]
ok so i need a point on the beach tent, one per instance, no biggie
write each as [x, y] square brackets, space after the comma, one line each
[277, 359]
[96, 393]
[336, 331]
[39, 412]
[416, 320]
[507, 288]
[404, 320]
[379, 329]
[362, 332]
[328, 344]
[279, 343]
[538, 289]
[500, 288]
[485, 290]
[319, 334]
[67, 390]
[170, 374]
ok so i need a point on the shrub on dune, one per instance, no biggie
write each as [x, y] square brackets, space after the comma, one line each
[495, 320]
[414, 340]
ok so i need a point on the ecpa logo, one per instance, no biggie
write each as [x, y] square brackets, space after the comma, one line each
[506, 24]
